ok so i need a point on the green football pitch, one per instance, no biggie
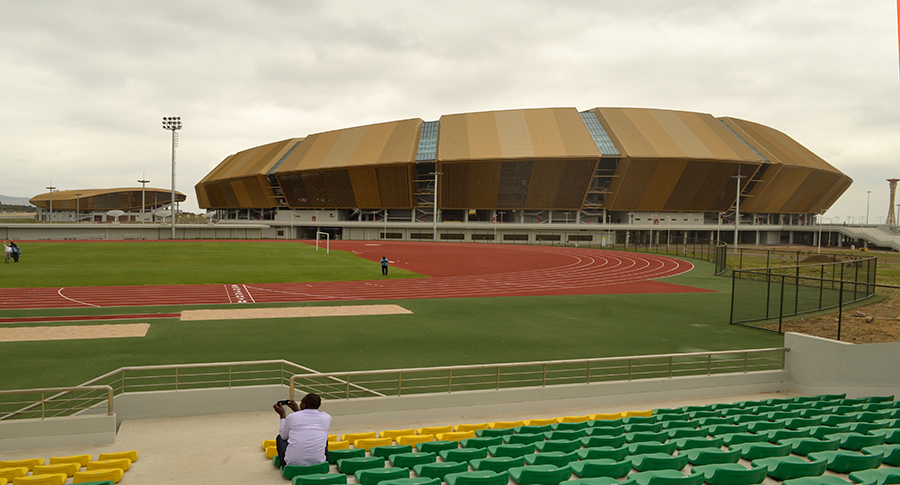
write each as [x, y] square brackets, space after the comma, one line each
[442, 331]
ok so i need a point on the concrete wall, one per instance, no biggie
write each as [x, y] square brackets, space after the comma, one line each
[57, 432]
[118, 232]
[822, 366]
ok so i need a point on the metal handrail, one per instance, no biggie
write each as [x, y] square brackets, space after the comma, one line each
[634, 364]
[57, 392]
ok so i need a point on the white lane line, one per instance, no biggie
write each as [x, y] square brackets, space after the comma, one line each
[73, 300]
[248, 293]
[228, 294]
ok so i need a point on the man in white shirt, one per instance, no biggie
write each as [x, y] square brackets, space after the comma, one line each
[303, 435]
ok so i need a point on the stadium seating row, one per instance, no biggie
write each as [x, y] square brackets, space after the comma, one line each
[109, 468]
[723, 444]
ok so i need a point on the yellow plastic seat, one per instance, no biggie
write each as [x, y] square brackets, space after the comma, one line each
[606, 416]
[122, 463]
[574, 419]
[541, 422]
[351, 437]
[48, 479]
[28, 463]
[338, 445]
[435, 430]
[470, 427]
[369, 443]
[266, 444]
[505, 424]
[394, 433]
[131, 455]
[414, 439]
[82, 460]
[114, 474]
[455, 435]
[272, 451]
[332, 437]
[635, 414]
[68, 468]
[3, 481]
[8, 473]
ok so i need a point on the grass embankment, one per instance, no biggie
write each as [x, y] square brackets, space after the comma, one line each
[52, 264]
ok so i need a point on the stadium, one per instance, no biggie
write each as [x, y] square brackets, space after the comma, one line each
[94, 205]
[524, 169]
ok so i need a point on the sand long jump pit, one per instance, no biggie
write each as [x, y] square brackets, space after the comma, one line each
[293, 312]
[72, 332]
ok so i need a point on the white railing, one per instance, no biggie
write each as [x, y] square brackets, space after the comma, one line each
[51, 402]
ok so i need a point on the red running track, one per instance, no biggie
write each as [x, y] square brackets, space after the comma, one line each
[456, 270]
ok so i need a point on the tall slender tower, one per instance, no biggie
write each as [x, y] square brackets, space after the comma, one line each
[891, 218]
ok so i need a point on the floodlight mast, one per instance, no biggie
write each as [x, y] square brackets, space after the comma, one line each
[737, 206]
[51, 188]
[172, 123]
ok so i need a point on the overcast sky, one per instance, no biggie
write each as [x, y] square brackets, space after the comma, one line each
[84, 84]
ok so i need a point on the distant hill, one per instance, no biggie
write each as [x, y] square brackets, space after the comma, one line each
[7, 200]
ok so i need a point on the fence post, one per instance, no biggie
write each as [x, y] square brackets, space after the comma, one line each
[746, 356]
[781, 306]
[498, 377]
[176, 378]
[42, 405]
[544, 378]
[589, 372]
[840, 303]
[629, 369]
[670, 367]
[733, 277]
[229, 376]
[709, 364]
[399, 383]
[450, 382]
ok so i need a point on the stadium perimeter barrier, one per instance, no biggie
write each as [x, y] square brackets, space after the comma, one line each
[763, 297]
[37, 404]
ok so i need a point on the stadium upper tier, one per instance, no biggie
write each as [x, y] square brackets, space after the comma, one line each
[88, 200]
[618, 159]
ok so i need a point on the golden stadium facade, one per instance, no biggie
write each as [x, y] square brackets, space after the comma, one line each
[610, 161]
[93, 204]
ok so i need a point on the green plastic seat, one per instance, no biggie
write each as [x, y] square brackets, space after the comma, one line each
[436, 446]
[558, 445]
[565, 426]
[664, 411]
[765, 409]
[871, 416]
[842, 461]
[491, 432]
[593, 481]
[712, 421]
[814, 413]
[731, 474]
[844, 409]
[643, 436]
[635, 427]
[440, 470]
[639, 419]
[755, 451]
[676, 417]
[557, 458]
[386, 451]
[881, 476]
[687, 433]
[606, 423]
[291, 471]
[667, 425]
[483, 442]
[720, 429]
[822, 480]
[684, 444]
[775, 435]
[350, 466]
[613, 453]
[762, 426]
[651, 447]
[878, 398]
[805, 446]
[708, 456]
[891, 435]
[797, 423]
[496, 463]
[513, 451]
[740, 438]
[788, 467]
[664, 477]
[374, 476]
[878, 406]
[658, 461]
[409, 460]
[519, 439]
[604, 431]
[463, 454]
[335, 455]
[891, 453]
[748, 418]
[532, 429]
[821, 432]
[836, 419]
[595, 441]
[477, 478]
[572, 434]
[413, 481]
[780, 415]
[697, 408]
[857, 441]
[724, 406]
[320, 479]
[732, 412]
[601, 467]
[540, 474]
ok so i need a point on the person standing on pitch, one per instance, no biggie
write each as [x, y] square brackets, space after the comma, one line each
[7, 251]
[384, 262]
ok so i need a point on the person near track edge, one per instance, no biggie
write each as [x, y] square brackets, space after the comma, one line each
[384, 265]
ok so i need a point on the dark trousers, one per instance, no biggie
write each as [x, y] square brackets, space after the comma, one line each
[281, 446]
[384, 270]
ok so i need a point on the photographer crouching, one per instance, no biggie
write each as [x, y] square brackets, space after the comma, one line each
[303, 434]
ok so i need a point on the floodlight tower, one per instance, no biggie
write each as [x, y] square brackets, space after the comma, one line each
[737, 206]
[891, 218]
[173, 124]
[52, 188]
[434, 236]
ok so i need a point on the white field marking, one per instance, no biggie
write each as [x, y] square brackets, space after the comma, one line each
[369, 244]
[72, 332]
[248, 293]
[356, 252]
[228, 294]
[293, 312]
[238, 294]
[73, 300]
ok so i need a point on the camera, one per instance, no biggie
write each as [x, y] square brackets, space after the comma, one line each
[284, 402]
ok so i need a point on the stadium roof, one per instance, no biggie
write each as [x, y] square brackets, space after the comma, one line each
[125, 199]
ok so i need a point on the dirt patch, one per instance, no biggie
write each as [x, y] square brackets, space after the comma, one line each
[294, 312]
[885, 326]
[71, 332]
